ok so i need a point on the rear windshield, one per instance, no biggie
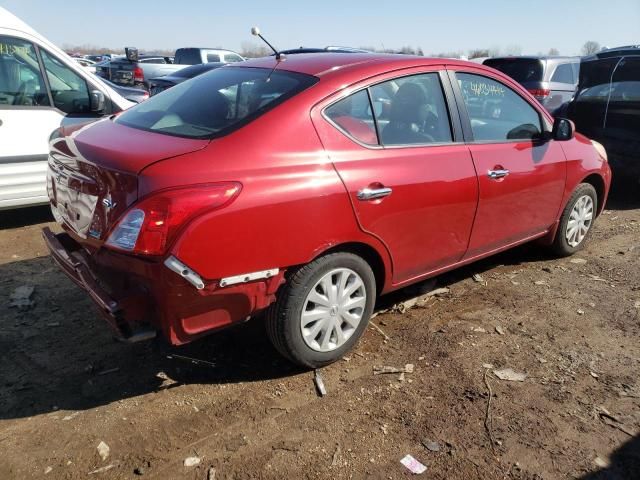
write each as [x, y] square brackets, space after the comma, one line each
[522, 70]
[610, 80]
[215, 103]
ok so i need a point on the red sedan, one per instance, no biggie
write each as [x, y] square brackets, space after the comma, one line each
[306, 187]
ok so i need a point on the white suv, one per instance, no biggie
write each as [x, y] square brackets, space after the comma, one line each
[41, 88]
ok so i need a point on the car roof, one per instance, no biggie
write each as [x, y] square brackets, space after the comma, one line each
[535, 57]
[320, 64]
[628, 50]
[206, 48]
[10, 21]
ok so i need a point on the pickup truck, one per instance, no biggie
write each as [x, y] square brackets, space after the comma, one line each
[134, 70]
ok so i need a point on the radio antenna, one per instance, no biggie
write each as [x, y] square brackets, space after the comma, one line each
[255, 31]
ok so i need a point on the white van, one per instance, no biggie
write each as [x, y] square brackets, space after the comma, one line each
[41, 88]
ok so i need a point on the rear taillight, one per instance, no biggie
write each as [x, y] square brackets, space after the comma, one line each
[539, 92]
[151, 225]
[138, 74]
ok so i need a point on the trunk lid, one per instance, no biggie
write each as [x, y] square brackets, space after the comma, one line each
[93, 173]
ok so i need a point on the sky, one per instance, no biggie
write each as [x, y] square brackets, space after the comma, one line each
[434, 26]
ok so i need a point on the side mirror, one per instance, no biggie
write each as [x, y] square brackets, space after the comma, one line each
[563, 129]
[98, 101]
[131, 53]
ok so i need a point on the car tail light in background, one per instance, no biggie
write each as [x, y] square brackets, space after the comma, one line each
[151, 225]
[539, 92]
[138, 74]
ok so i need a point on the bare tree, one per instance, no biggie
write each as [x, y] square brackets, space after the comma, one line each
[457, 54]
[590, 47]
[554, 51]
[479, 53]
[254, 50]
[513, 50]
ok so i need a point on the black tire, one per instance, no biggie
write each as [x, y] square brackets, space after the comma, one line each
[283, 317]
[561, 246]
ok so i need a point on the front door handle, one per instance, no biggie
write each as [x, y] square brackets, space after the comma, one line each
[373, 193]
[495, 174]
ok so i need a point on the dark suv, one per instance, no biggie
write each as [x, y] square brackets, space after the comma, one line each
[552, 80]
[607, 106]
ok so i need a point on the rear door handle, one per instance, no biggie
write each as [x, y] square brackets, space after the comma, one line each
[495, 174]
[373, 193]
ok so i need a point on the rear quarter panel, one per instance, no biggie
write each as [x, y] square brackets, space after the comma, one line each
[292, 206]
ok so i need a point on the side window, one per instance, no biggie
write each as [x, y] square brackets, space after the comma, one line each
[353, 115]
[68, 89]
[152, 60]
[496, 112]
[232, 58]
[21, 82]
[411, 111]
[563, 74]
[213, 57]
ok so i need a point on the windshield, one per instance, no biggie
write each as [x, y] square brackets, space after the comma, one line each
[522, 70]
[215, 103]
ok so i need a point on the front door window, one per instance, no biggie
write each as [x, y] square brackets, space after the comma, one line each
[21, 82]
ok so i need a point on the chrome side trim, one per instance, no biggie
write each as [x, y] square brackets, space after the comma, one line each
[248, 277]
[172, 263]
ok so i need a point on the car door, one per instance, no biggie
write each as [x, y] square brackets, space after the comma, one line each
[521, 172]
[410, 178]
[27, 118]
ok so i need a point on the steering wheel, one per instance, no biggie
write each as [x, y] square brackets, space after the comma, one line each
[26, 93]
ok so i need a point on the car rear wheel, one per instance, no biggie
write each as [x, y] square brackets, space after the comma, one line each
[323, 309]
[576, 220]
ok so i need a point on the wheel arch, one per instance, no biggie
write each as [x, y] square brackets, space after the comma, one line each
[381, 269]
[597, 182]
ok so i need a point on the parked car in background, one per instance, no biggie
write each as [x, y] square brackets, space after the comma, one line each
[133, 70]
[97, 58]
[135, 95]
[88, 64]
[41, 88]
[331, 49]
[607, 107]
[552, 80]
[194, 56]
[136, 71]
[160, 84]
[295, 190]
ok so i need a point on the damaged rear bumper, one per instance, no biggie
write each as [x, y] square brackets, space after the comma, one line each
[67, 254]
[139, 297]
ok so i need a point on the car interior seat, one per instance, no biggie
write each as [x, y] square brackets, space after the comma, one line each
[407, 117]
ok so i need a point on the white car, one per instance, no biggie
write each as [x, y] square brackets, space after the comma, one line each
[41, 88]
[90, 65]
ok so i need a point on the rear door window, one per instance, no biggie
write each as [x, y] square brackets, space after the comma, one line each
[216, 103]
[21, 80]
[563, 74]
[496, 112]
[416, 113]
[353, 115]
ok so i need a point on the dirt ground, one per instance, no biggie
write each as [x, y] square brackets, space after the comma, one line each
[572, 325]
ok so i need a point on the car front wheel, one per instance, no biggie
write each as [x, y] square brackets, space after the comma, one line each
[576, 220]
[323, 309]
